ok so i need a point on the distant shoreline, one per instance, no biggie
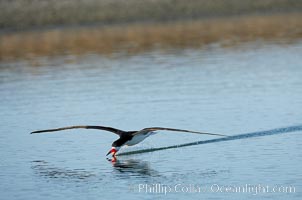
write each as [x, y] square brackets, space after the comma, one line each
[137, 38]
[20, 15]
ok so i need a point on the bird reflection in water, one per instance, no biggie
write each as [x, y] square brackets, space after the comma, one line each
[133, 167]
[124, 168]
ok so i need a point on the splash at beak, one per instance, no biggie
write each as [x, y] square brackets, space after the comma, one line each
[113, 151]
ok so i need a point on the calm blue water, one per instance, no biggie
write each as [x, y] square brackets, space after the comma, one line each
[248, 92]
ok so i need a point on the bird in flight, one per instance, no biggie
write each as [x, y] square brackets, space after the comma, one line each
[126, 138]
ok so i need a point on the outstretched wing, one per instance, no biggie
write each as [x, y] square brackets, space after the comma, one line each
[110, 129]
[145, 130]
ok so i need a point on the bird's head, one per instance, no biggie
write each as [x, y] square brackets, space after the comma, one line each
[113, 151]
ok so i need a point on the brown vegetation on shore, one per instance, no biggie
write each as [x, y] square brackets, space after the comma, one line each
[138, 37]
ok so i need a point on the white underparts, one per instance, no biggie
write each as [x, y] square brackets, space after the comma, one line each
[138, 138]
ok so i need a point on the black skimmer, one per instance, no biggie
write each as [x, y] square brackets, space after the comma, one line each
[127, 138]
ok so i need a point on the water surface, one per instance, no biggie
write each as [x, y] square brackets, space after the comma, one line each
[248, 92]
